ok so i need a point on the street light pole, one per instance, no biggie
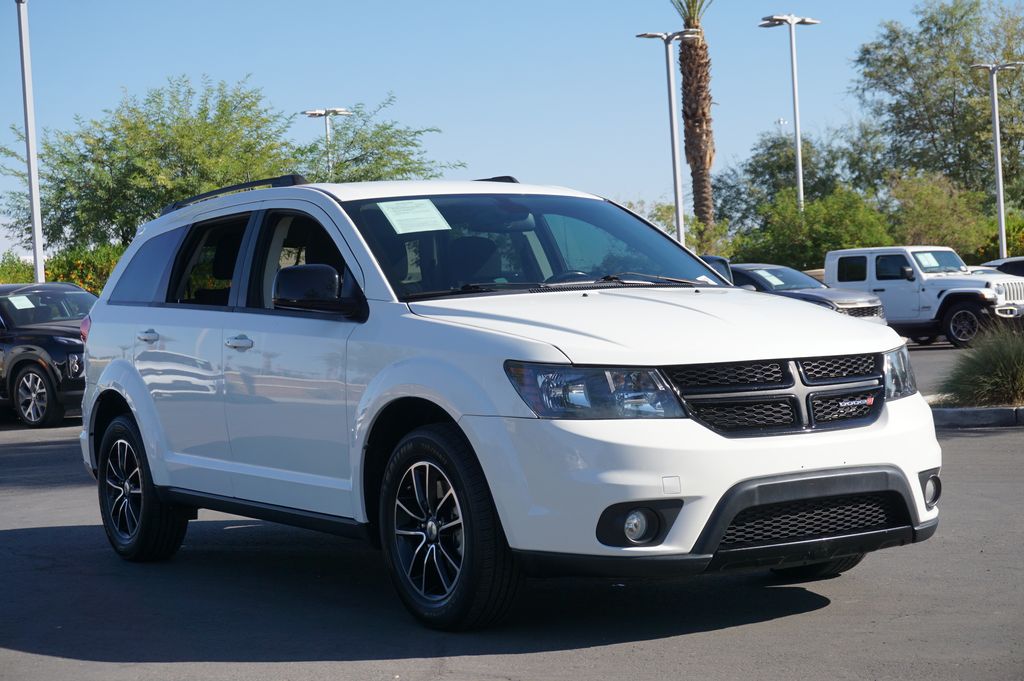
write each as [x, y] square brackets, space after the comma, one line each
[792, 21]
[326, 115]
[673, 117]
[30, 142]
[993, 71]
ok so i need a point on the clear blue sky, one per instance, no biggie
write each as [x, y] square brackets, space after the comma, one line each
[551, 91]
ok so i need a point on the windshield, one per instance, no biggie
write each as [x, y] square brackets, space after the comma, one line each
[784, 278]
[939, 261]
[42, 307]
[478, 243]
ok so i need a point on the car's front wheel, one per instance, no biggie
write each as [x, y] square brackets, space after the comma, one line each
[443, 543]
[35, 398]
[138, 524]
[962, 323]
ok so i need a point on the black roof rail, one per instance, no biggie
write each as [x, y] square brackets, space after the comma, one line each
[282, 181]
[499, 178]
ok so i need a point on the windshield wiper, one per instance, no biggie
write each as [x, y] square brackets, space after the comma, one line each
[471, 288]
[622, 278]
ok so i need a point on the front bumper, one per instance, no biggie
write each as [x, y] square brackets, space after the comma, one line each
[551, 481]
[1009, 310]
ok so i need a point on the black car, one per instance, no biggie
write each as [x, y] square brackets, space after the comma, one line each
[42, 373]
[791, 283]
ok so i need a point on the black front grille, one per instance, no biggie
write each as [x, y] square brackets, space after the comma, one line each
[863, 311]
[733, 416]
[814, 519]
[727, 376]
[845, 367]
[844, 406]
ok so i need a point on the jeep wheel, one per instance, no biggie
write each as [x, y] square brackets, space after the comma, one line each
[962, 323]
[139, 526]
[443, 543]
[814, 571]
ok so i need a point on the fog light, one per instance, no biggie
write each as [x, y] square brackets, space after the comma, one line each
[640, 526]
[73, 365]
[932, 490]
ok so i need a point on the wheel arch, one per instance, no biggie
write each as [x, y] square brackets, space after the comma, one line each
[950, 298]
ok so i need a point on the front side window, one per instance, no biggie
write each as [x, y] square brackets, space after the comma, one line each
[889, 267]
[933, 262]
[206, 263]
[45, 307]
[289, 239]
[442, 245]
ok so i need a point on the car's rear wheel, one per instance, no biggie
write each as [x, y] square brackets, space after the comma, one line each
[443, 543]
[962, 323]
[823, 570]
[139, 526]
[35, 398]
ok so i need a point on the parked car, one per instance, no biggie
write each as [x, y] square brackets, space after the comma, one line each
[41, 366]
[928, 290]
[1014, 266]
[791, 283]
[490, 379]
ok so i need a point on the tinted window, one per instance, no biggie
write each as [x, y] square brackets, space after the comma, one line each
[206, 264]
[741, 278]
[783, 279]
[1015, 268]
[289, 239]
[141, 279]
[853, 268]
[890, 266]
[440, 244]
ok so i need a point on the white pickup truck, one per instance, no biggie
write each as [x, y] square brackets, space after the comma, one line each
[928, 290]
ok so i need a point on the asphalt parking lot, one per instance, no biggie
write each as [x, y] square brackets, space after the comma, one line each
[931, 364]
[251, 600]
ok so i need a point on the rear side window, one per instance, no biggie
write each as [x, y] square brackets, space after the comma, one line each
[206, 263]
[889, 267]
[144, 280]
[853, 268]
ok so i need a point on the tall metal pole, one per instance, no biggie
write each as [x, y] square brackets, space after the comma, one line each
[997, 146]
[796, 120]
[327, 134]
[673, 116]
[30, 141]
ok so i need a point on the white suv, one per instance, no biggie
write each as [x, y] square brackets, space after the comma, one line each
[489, 379]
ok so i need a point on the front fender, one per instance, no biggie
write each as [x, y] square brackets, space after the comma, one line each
[121, 377]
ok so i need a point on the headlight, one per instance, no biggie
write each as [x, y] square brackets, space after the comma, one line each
[999, 289]
[899, 377]
[557, 391]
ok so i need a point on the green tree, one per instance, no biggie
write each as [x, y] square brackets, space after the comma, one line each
[698, 138]
[104, 178]
[699, 238]
[931, 107]
[843, 219]
[933, 211]
[364, 148]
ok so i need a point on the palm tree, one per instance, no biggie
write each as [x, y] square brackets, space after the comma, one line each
[699, 141]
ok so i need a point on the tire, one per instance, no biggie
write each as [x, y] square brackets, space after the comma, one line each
[962, 323]
[925, 340]
[443, 543]
[139, 526]
[814, 571]
[35, 399]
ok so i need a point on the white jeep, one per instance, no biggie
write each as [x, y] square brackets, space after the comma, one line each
[488, 379]
[928, 290]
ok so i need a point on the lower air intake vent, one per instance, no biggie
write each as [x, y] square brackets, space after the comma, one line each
[815, 518]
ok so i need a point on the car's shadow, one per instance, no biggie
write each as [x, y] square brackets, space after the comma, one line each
[242, 590]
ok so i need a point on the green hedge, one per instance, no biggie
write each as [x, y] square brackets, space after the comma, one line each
[88, 267]
[991, 372]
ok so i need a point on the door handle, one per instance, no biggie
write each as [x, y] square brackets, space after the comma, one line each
[239, 342]
[878, 290]
[148, 336]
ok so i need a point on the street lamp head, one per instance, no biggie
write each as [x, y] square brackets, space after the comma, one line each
[337, 111]
[315, 113]
[807, 21]
[784, 19]
[660, 36]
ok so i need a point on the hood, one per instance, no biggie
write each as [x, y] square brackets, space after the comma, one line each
[663, 326]
[973, 280]
[68, 329]
[839, 296]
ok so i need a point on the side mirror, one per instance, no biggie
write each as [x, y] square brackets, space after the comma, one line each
[908, 272]
[313, 288]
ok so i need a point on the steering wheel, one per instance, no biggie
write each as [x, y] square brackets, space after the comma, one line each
[568, 275]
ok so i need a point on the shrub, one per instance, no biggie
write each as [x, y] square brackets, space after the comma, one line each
[991, 372]
[88, 267]
[13, 270]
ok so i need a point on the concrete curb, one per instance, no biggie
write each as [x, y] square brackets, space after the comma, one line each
[978, 417]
